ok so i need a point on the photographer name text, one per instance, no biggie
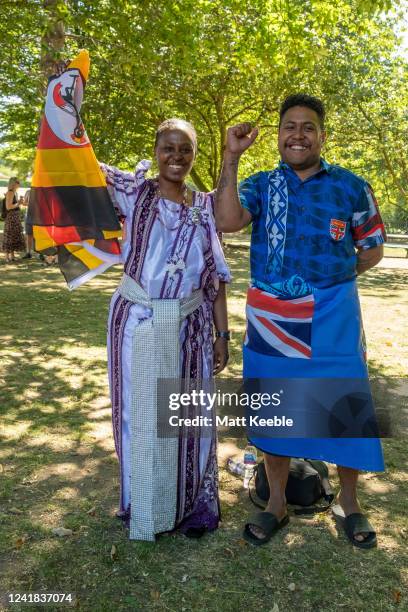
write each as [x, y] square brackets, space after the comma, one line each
[226, 421]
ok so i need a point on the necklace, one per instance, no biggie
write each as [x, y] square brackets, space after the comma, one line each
[184, 201]
[182, 211]
[180, 217]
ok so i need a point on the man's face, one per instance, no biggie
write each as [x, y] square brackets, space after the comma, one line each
[300, 138]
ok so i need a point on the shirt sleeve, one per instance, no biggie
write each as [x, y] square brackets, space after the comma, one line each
[123, 186]
[249, 194]
[367, 227]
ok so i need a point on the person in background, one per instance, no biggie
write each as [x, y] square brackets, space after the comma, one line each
[13, 237]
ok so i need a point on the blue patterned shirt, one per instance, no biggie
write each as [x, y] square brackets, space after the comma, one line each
[305, 233]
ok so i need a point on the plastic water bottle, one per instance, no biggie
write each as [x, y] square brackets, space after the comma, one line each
[250, 456]
[235, 467]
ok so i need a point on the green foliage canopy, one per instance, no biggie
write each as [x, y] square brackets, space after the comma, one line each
[215, 64]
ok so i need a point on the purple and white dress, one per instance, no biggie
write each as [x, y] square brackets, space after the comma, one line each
[171, 251]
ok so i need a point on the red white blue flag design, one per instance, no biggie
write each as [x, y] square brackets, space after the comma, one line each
[279, 327]
[337, 229]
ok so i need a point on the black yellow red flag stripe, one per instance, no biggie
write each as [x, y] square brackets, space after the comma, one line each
[70, 208]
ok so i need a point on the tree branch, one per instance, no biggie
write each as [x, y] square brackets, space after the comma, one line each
[197, 180]
[242, 110]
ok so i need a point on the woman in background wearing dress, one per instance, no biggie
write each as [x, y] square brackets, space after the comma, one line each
[13, 236]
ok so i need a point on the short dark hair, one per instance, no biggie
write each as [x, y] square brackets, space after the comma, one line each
[176, 124]
[300, 99]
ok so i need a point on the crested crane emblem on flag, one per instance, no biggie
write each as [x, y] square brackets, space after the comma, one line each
[337, 229]
[277, 327]
[70, 208]
[65, 96]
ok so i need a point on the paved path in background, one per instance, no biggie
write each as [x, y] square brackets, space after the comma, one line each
[397, 263]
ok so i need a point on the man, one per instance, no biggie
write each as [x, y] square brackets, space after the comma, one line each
[314, 228]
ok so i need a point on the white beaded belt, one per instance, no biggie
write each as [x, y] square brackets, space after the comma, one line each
[154, 461]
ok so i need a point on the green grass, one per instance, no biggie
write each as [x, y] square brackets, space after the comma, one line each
[58, 468]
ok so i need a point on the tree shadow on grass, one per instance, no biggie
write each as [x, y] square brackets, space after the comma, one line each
[307, 566]
[60, 470]
[382, 283]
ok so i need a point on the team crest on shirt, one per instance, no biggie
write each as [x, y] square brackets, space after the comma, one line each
[337, 229]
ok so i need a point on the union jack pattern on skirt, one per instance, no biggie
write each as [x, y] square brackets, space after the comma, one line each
[279, 327]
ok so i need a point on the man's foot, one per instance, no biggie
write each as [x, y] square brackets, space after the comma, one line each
[278, 511]
[27, 256]
[348, 511]
[262, 526]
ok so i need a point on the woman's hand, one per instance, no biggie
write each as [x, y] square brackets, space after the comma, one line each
[239, 138]
[61, 67]
[221, 355]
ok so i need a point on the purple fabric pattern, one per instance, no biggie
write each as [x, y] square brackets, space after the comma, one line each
[170, 250]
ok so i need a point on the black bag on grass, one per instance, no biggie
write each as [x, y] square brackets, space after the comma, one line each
[308, 482]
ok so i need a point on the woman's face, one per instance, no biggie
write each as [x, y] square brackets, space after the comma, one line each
[175, 153]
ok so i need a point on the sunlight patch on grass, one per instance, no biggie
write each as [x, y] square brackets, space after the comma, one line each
[373, 485]
[59, 463]
[66, 493]
[16, 431]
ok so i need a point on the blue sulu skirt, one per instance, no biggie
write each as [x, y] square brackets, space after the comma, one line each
[319, 336]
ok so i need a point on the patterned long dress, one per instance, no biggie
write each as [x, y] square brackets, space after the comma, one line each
[170, 250]
[13, 235]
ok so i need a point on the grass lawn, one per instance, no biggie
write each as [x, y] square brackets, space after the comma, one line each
[58, 469]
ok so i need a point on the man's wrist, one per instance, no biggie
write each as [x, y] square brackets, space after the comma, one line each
[231, 158]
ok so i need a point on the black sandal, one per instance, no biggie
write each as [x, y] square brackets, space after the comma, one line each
[195, 533]
[269, 525]
[356, 523]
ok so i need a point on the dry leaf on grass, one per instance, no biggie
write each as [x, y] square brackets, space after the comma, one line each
[113, 553]
[292, 586]
[20, 541]
[396, 596]
[155, 595]
[61, 532]
[92, 511]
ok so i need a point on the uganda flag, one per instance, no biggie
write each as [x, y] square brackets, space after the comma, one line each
[70, 208]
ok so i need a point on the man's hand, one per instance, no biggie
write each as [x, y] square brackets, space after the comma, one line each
[230, 216]
[239, 138]
[368, 258]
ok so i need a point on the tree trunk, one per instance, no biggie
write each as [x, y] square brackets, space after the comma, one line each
[53, 38]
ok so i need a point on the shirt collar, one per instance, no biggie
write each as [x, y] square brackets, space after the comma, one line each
[324, 166]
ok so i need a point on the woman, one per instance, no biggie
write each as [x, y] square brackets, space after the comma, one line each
[13, 237]
[161, 326]
[161, 317]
